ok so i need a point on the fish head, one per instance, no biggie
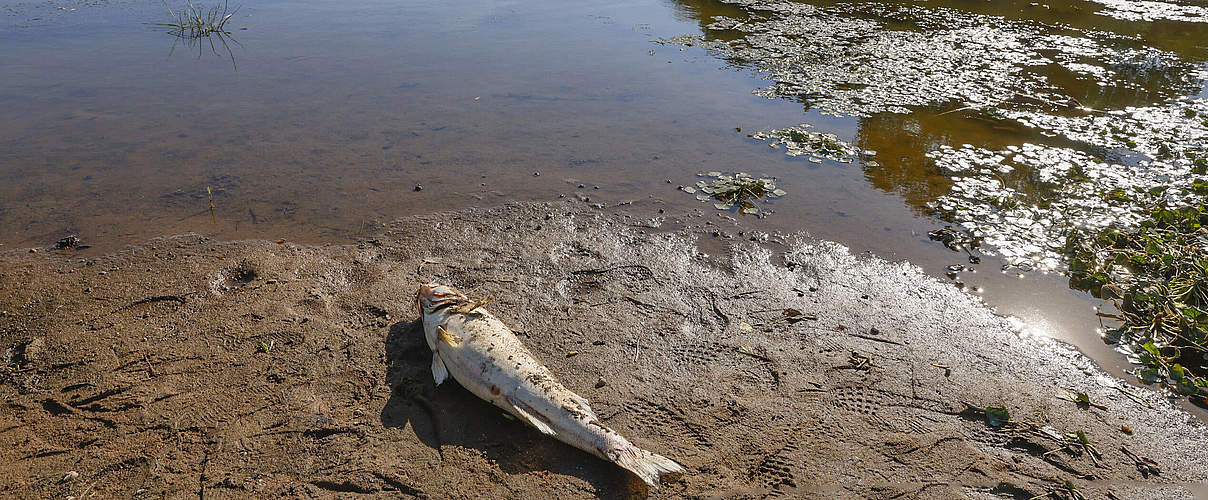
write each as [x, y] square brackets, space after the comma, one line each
[436, 304]
[433, 297]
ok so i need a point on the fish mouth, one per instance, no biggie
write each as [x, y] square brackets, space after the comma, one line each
[432, 295]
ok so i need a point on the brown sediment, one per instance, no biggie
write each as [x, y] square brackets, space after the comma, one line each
[310, 375]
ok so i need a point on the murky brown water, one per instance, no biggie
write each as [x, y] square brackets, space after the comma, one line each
[333, 113]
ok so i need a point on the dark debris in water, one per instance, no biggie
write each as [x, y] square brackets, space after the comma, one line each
[70, 242]
[957, 241]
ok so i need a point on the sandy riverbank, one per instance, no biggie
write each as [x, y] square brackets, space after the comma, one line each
[188, 366]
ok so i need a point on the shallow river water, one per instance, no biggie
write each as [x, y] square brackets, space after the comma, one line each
[315, 121]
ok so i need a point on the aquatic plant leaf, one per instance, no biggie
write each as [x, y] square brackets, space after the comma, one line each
[1151, 349]
[740, 189]
[1177, 374]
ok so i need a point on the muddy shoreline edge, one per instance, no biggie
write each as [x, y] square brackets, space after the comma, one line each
[186, 366]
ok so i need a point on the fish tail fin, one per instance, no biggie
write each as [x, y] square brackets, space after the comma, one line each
[646, 465]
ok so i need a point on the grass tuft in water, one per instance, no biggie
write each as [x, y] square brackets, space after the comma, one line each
[197, 26]
[193, 22]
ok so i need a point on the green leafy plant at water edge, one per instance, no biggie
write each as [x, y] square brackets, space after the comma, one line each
[738, 190]
[1157, 276]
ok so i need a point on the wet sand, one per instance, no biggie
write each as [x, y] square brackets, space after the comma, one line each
[191, 366]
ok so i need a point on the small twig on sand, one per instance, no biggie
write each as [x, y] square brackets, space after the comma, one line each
[1135, 397]
[637, 350]
[874, 339]
[150, 371]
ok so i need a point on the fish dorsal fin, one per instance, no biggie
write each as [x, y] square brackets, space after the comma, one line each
[472, 306]
[449, 338]
[439, 371]
[528, 414]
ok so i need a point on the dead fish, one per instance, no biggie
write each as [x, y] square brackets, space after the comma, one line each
[485, 357]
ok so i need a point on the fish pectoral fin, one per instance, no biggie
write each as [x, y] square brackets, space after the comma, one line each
[439, 371]
[531, 416]
[446, 337]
